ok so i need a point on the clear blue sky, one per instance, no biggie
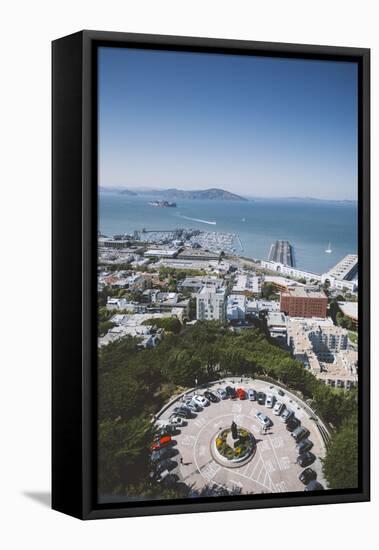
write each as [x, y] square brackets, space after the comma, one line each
[252, 125]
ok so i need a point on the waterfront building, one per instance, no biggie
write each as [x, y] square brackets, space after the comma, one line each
[210, 303]
[198, 254]
[162, 252]
[304, 302]
[208, 266]
[346, 269]
[291, 271]
[113, 243]
[344, 275]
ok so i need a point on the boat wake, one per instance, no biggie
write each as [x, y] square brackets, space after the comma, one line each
[197, 220]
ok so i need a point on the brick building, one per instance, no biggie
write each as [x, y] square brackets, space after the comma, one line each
[303, 302]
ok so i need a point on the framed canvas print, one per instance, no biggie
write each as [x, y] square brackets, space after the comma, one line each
[210, 275]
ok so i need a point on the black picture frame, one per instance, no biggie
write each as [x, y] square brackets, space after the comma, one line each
[74, 205]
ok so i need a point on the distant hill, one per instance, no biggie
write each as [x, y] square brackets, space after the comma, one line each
[127, 192]
[173, 193]
[201, 194]
[119, 190]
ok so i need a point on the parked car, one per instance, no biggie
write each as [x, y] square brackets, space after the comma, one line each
[183, 411]
[222, 393]
[293, 423]
[241, 394]
[192, 405]
[305, 459]
[166, 429]
[161, 442]
[286, 415]
[252, 394]
[165, 464]
[279, 408]
[304, 445]
[261, 398]
[281, 393]
[263, 419]
[211, 397]
[200, 400]
[231, 392]
[167, 478]
[164, 453]
[270, 400]
[307, 476]
[177, 420]
[300, 433]
[314, 486]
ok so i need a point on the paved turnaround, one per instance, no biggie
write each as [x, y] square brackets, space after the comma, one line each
[272, 469]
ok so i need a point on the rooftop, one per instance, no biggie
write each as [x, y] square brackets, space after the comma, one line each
[350, 309]
[304, 292]
[346, 269]
[212, 289]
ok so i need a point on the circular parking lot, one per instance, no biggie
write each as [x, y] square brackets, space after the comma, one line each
[272, 467]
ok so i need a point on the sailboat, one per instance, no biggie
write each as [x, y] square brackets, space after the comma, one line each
[329, 249]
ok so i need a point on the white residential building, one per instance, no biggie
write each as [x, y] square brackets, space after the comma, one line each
[210, 303]
[236, 307]
[323, 348]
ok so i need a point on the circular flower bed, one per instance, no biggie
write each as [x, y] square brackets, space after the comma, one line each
[234, 450]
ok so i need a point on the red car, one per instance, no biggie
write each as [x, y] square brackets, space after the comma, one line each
[160, 443]
[241, 394]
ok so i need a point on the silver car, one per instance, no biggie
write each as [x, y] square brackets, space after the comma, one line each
[222, 393]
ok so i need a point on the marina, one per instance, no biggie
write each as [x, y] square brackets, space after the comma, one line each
[307, 225]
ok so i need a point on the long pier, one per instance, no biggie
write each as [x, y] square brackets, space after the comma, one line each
[281, 252]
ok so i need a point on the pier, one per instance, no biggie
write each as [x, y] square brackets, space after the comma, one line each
[282, 252]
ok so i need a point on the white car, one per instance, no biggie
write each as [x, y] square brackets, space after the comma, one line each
[191, 404]
[251, 394]
[270, 400]
[177, 421]
[200, 400]
[279, 408]
[263, 419]
[222, 393]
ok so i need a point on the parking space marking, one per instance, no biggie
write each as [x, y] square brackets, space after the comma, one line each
[264, 445]
[188, 440]
[281, 487]
[236, 408]
[269, 466]
[285, 463]
[210, 470]
[277, 442]
[202, 450]
[200, 421]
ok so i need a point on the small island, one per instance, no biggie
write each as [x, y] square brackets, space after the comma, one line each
[163, 204]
